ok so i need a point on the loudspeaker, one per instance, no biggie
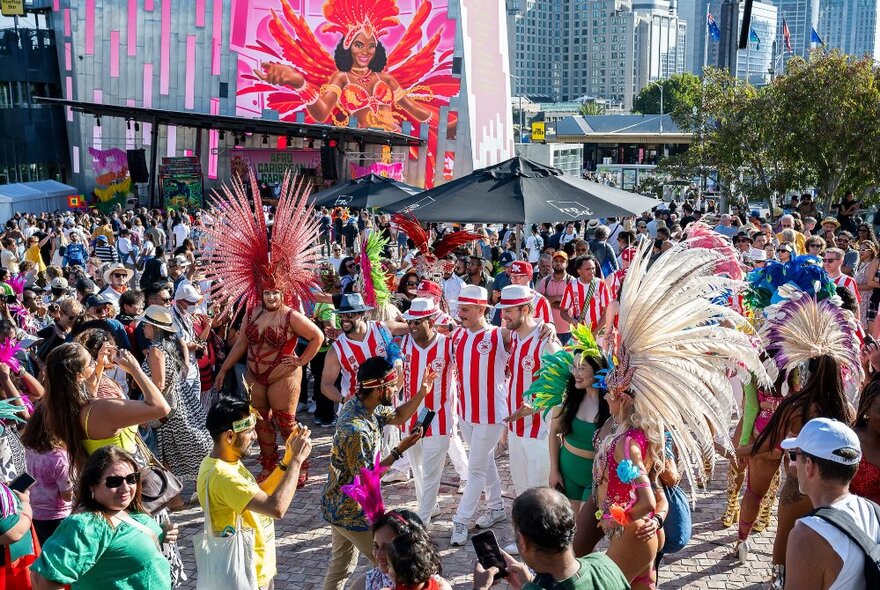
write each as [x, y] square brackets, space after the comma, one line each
[328, 163]
[137, 166]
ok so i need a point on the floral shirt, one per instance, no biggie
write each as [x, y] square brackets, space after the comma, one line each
[355, 444]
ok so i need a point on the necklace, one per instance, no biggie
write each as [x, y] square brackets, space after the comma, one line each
[363, 74]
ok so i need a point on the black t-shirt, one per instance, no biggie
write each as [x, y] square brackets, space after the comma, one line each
[51, 341]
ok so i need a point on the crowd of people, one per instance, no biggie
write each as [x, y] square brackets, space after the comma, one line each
[144, 352]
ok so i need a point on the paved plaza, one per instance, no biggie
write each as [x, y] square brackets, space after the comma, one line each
[304, 538]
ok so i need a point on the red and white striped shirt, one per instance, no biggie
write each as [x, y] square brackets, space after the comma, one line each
[438, 356]
[574, 300]
[351, 353]
[542, 308]
[615, 281]
[481, 367]
[850, 283]
[525, 360]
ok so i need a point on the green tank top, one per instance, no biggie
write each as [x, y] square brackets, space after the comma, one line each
[124, 438]
[581, 435]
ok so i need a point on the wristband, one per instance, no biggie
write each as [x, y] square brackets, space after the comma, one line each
[396, 454]
[282, 466]
[659, 520]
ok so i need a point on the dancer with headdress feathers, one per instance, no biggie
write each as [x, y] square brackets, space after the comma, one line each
[269, 278]
[671, 330]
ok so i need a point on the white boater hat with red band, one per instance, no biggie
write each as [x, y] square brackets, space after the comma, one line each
[420, 308]
[473, 295]
[515, 295]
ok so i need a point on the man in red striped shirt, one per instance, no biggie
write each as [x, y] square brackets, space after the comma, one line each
[426, 352]
[527, 439]
[585, 300]
[832, 261]
[520, 273]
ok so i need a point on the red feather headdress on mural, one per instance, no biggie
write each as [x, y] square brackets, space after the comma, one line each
[422, 75]
[241, 258]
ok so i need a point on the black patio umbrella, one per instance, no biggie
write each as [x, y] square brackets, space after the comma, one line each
[365, 192]
[520, 191]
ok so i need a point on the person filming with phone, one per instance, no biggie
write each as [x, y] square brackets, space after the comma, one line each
[356, 445]
[544, 525]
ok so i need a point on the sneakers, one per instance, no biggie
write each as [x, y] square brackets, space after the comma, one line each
[511, 549]
[395, 476]
[491, 517]
[461, 486]
[312, 407]
[330, 424]
[301, 407]
[436, 511]
[459, 534]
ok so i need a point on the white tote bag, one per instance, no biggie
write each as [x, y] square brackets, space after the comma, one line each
[224, 562]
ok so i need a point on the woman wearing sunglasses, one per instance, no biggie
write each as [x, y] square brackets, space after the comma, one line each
[108, 541]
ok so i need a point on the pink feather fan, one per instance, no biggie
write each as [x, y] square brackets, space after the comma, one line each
[366, 490]
[700, 235]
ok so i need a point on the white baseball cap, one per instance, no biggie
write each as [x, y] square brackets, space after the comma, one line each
[187, 292]
[823, 437]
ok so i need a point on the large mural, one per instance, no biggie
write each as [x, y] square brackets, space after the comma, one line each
[373, 63]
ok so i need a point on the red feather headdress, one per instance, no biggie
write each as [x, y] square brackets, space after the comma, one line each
[431, 263]
[241, 258]
[373, 18]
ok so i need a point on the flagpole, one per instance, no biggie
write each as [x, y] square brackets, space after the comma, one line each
[706, 41]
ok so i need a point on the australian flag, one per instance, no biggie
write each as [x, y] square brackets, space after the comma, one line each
[714, 31]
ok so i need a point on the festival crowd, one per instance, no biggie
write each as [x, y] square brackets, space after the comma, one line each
[144, 354]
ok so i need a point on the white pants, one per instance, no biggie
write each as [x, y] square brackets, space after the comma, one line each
[390, 439]
[529, 462]
[458, 455]
[427, 458]
[482, 471]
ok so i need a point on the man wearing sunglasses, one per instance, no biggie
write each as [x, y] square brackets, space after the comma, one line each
[832, 261]
[826, 455]
[228, 491]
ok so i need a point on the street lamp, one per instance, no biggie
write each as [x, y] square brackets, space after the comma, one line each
[660, 83]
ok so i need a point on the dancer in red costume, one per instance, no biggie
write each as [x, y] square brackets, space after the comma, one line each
[270, 278]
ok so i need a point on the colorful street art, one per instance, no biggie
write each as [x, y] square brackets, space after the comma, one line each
[337, 61]
[112, 182]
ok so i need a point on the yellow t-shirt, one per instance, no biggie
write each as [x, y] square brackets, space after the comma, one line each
[232, 487]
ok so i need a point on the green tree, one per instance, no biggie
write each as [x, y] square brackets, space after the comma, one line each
[681, 93]
[592, 108]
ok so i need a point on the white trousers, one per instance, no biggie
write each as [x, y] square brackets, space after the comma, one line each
[482, 470]
[529, 462]
[427, 458]
[458, 455]
[390, 439]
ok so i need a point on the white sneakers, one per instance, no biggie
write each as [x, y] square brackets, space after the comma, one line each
[395, 476]
[491, 517]
[742, 551]
[459, 534]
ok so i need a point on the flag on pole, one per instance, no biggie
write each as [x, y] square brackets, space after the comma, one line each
[786, 35]
[815, 38]
[753, 38]
[714, 31]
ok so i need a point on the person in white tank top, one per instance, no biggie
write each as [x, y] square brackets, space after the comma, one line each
[826, 455]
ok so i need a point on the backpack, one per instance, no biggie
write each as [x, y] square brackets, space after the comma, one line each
[844, 522]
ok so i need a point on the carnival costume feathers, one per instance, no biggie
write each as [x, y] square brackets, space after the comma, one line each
[551, 380]
[777, 281]
[8, 351]
[241, 258]
[700, 235]
[675, 349]
[804, 328]
[366, 490]
[376, 292]
[431, 262]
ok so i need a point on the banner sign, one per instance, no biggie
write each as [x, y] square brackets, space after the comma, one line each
[392, 171]
[12, 7]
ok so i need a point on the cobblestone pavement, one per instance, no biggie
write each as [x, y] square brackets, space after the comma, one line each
[303, 538]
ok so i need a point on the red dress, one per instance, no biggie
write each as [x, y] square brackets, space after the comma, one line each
[866, 483]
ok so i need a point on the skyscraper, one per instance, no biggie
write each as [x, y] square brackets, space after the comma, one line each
[754, 62]
[801, 16]
[853, 26]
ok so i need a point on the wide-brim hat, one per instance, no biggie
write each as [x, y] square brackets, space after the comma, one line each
[158, 316]
[830, 220]
[352, 303]
[117, 267]
[421, 308]
[473, 295]
[514, 296]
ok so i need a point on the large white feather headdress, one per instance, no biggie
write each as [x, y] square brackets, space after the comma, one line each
[677, 345]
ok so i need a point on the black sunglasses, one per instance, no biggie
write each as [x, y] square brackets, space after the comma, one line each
[792, 455]
[119, 275]
[115, 481]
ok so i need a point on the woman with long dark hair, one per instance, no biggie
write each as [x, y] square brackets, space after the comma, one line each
[84, 423]
[109, 541]
[348, 275]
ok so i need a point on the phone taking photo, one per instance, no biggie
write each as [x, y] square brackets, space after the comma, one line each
[424, 419]
[489, 553]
